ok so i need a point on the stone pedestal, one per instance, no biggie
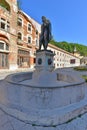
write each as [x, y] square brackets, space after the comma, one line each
[43, 75]
[44, 60]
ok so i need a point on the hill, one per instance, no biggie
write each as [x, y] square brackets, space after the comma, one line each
[82, 49]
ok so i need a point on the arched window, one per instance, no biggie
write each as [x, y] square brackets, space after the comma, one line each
[7, 47]
[36, 32]
[29, 27]
[29, 39]
[19, 36]
[4, 46]
[20, 22]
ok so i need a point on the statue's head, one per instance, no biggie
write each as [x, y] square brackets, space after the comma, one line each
[43, 19]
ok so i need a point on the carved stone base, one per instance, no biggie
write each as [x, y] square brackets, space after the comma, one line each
[44, 60]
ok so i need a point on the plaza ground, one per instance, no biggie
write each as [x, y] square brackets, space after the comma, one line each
[4, 73]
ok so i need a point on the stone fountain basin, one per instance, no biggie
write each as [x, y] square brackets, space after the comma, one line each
[47, 105]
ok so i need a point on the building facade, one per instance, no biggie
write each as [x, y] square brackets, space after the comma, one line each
[63, 58]
[19, 40]
[27, 41]
[8, 34]
[19, 37]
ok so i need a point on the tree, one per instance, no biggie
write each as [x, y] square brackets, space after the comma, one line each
[70, 47]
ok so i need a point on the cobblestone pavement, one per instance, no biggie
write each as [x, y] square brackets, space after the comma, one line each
[4, 73]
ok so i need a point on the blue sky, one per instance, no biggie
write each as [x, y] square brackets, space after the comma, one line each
[68, 17]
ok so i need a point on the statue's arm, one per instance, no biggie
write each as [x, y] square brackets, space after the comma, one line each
[50, 31]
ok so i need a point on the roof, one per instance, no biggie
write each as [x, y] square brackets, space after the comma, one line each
[35, 23]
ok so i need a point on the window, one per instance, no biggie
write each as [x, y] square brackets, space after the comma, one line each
[3, 60]
[8, 26]
[57, 64]
[54, 52]
[29, 27]
[4, 46]
[29, 39]
[57, 53]
[2, 23]
[1, 45]
[7, 47]
[19, 36]
[3, 55]
[36, 32]
[72, 61]
[34, 60]
[19, 22]
[23, 52]
[3, 19]
[5, 25]
[23, 58]
[34, 53]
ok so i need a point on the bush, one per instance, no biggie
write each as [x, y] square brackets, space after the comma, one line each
[80, 68]
[85, 77]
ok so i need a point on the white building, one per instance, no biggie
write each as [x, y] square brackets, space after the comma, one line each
[63, 58]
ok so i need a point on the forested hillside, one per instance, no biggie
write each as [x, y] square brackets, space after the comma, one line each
[82, 49]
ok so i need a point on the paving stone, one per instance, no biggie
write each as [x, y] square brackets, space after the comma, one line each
[17, 124]
[6, 126]
[3, 120]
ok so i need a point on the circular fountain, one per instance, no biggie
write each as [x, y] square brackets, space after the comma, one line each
[45, 97]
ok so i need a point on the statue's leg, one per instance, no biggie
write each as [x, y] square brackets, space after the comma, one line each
[45, 39]
[46, 44]
[40, 45]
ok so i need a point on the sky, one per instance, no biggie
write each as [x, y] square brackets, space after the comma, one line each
[68, 17]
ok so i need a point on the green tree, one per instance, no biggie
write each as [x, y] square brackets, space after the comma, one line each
[5, 5]
[82, 49]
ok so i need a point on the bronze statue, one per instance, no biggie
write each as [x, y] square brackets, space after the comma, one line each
[45, 35]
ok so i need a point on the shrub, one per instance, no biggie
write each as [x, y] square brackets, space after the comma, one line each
[80, 68]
